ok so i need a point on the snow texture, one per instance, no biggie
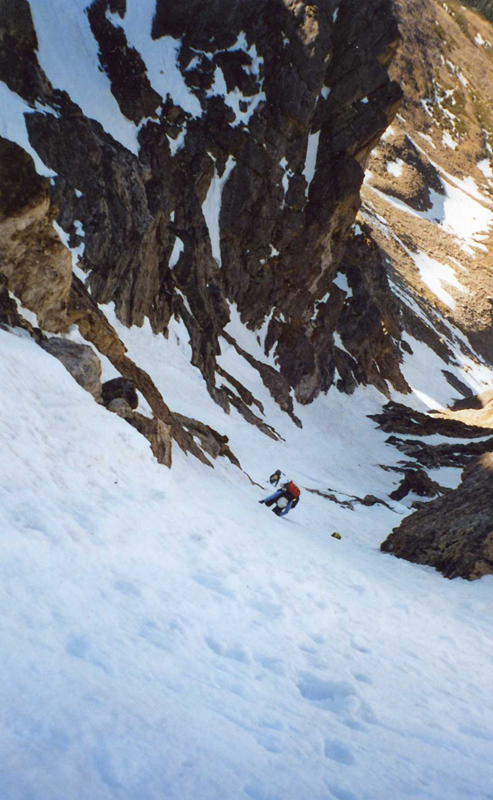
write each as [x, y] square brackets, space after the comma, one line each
[164, 636]
[212, 206]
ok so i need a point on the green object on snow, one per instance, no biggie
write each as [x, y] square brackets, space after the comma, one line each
[336, 535]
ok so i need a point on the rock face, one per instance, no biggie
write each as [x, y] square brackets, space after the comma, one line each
[32, 255]
[80, 360]
[246, 194]
[454, 533]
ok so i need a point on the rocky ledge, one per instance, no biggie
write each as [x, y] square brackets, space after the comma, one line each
[454, 533]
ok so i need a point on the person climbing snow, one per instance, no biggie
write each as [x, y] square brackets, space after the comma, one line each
[275, 477]
[285, 499]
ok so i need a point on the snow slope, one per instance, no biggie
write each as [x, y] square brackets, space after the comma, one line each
[164, 636]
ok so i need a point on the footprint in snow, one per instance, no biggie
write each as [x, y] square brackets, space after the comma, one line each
[339, 793]
[339, 697]
[272, 663]
[236, 653]
[362, 678]
[80, 647]
[214, 583]
[164, 637]
[267, 607]
[337, 751]
[360, 648]
[127, 588]
[255, 792]
[269, 742]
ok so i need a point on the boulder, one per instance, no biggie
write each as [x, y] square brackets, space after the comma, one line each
[119, 406]
[120, 389]
[80, 360]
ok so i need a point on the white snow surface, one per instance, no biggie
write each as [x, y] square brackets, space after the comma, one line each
[164, 636]
[448, 141]
[75, 252]
[395, 167]
[176, 252]
[68, 53]
[435, 274]
[159, 55]
[211, 206]
[13, 125]
[461, 210]
[235, 96]
[485, 166]
[311, 158]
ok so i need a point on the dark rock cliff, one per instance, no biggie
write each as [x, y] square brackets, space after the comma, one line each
[454, 533]
[293, 95]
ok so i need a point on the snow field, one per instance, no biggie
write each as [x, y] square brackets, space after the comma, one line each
[164, 636]
[167, 637]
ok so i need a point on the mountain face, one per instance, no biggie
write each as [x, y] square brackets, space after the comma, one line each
[204, 162]
[244, 193]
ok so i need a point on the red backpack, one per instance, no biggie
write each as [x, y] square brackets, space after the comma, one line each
[292, 489]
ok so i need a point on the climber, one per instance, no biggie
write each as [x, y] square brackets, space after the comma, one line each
[290, 495]
[275, 477]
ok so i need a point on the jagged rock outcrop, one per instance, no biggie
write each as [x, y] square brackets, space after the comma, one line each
[159, 434]
[9, 314]
[449, 454]
[32, 256]
[398, 418]
[78, 359]
[454, 533]
[417, 481]
[250, 198]
[369, 324]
